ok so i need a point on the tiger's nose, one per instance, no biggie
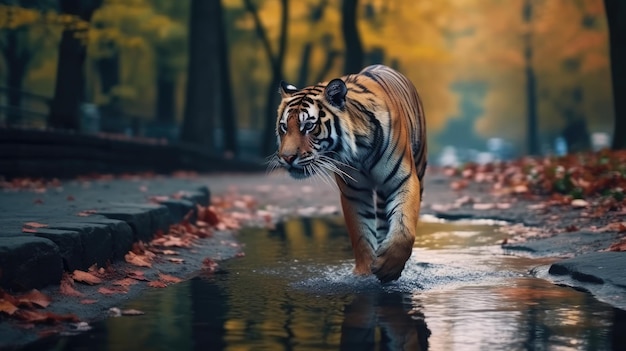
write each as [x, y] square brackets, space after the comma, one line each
[288, 158]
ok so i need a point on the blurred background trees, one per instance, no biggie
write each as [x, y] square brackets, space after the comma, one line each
[528, 76]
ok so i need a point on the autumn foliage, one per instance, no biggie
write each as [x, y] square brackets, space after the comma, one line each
[592, 183]
[198, 224]
[576, 176]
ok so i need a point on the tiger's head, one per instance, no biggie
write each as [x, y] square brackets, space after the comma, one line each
[309, 129]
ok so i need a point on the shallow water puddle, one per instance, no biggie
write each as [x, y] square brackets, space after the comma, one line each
[294, 291]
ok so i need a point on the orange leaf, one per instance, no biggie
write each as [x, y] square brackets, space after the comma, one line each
[85, 277]
[176, 260]
[125, 282]
[137, 275]
[169, 278]
[35, 297]
[67, 286]
[157, 284]
[134, 259]
[7, 307]
[29, 230]
[31, 316]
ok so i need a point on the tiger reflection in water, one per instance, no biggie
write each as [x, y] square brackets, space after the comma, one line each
[384, 321]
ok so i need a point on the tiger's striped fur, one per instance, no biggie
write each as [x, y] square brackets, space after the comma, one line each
[368, 130]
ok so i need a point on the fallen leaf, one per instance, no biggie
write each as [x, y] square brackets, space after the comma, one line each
[125, 282]
[169, 278]
[132, 312]
[67, 286]
[88, 301]
[520, 189]
[29, 230]
[158, 199]
[209, 265]
[176, 260]
[86, 213]
[619, 227]
[137, 275]
[35, 297]
[7, 307]
[484, 207]
[137, 260]
[157, 284]
[34, 316]
[115, 312]
[85, 277]
[31, 316]
[35, 225]
[579, 203]
[112, 290]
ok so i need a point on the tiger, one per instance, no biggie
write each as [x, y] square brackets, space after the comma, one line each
[368, 132]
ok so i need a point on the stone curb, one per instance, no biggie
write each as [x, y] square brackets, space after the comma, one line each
[34, 260]
[596, 268]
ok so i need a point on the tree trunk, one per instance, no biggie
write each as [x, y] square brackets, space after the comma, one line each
[305, 66]
[272, 99]
[109, 71]
[228, 115]
[202, 95]
[531, 85]
[70, 83]
[354, 48]
[165, 99]
[616, 15]
[15, 76]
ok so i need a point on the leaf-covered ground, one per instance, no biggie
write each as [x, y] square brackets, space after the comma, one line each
[584, 191]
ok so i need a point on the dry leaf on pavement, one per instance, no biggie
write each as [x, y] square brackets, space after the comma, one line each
[85, 277]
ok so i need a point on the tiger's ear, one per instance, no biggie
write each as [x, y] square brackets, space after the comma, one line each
[335, 93]
[286, 90]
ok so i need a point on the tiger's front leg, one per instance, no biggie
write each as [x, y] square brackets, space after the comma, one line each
[357, 203]
[402, 207]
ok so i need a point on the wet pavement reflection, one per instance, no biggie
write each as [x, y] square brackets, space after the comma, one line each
[294, 291]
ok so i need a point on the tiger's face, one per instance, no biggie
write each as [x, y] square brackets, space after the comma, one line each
[307, 128]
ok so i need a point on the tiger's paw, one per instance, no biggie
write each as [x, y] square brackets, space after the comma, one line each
[389, 263]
